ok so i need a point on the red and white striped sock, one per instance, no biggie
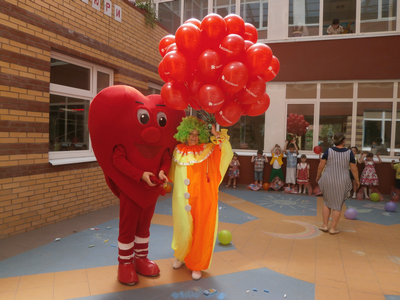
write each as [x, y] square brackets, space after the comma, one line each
[141, 247]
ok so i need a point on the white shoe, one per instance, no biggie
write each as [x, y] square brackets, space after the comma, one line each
[354, 196]
[196, 275]
[177, 264]
[304, 192]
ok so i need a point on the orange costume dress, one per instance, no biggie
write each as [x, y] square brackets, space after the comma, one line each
[197, 172]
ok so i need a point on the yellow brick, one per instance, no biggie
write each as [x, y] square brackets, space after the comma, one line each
[34, 134]
[8, 118]
[17, 157]
[26, 74]
[8, 140]
[18, 112]
[4, 134]
[8, 94]
[39, 176]
[17, 134]
[26, 140]
[41, 161]
[6, 180]
[26, 119]
[21, 178]
[26, 162]
[9, 71]
[41, 140]
[18, 90]
[26, 30]
[9, 24]
[10, 186]
[18, 67]
[33, 113]
[32, 156]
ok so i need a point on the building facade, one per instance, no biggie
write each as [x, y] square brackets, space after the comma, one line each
[55, 56]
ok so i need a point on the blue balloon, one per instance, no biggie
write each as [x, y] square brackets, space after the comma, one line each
[350, 213]
[391, 206]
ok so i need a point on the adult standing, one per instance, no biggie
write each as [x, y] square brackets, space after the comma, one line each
[335, 182]
[197, 170]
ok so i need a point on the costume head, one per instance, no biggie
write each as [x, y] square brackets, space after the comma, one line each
[189, 124]
[121, 115]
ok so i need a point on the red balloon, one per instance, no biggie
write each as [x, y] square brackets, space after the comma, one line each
[193, 21]
[175, 95]
[229, 114]
[231, 48]
[176, 66]
[161, 72]
[301, 117]
[213, 30]
[307, 124]
[250, 32]
[211, 98]
[272, 70]
[253, 91]
[257, 108]
[247, 44]
[188, 39]
[233, 77]
[235, 24]
[209, 65]
[258, 58]
[291, 115]
[295, 116]
[171, 47]
[317, 149]
[194, 85]
[165, 42]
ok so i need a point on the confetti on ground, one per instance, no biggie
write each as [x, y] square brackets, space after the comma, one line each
[105, 241]
[266, 291]
[113, 245]
[255, 290]
[57, 239]
[91, 246]
[248, 291]
[96, 228]
[109, 227]
[91, 228]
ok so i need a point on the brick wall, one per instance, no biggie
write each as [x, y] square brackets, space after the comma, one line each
[34, 193]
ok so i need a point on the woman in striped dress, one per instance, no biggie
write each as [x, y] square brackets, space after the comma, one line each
[335, 182]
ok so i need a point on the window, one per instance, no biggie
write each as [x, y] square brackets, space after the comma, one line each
[248, 133]
[224, 7]
[344, 11]
[378, 15]
[169, 15]
[303, 18]
[375, 120]
[73, 84]
[334, 117]
[195, 9]
[256, 13]
[304, 141]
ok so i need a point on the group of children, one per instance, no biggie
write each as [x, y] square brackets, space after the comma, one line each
[299, 173]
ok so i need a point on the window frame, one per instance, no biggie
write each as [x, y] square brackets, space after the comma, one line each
[80, 156]
[355, 101]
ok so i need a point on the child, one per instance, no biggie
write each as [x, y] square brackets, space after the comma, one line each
[355, 151]
[259, 162]
[335, 28]
[368, 175]
[276, 163]
[233, 170]
[303, 173]
[397, 168]
[291, 154]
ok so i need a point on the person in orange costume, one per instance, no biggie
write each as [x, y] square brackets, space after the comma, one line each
[132, 137]
[197, 171]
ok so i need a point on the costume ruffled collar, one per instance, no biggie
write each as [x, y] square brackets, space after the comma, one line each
[189, 155]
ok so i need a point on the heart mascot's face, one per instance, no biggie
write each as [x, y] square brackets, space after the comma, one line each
[121, 115]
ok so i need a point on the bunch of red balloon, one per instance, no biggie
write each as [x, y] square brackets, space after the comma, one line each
[216, 65]
[296, 125]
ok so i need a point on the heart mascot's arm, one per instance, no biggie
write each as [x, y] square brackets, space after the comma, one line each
[122, 164]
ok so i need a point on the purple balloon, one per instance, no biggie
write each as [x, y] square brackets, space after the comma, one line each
[391, 206]
[350, 213]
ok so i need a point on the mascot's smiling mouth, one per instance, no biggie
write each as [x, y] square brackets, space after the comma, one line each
[148, 151]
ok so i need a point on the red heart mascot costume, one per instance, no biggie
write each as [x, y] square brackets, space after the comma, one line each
[132, 138]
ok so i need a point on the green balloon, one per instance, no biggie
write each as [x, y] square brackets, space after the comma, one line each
[224, 237]
[375, 197]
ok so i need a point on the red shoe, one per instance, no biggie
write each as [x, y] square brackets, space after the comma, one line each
[127, 274]
[146, 267]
